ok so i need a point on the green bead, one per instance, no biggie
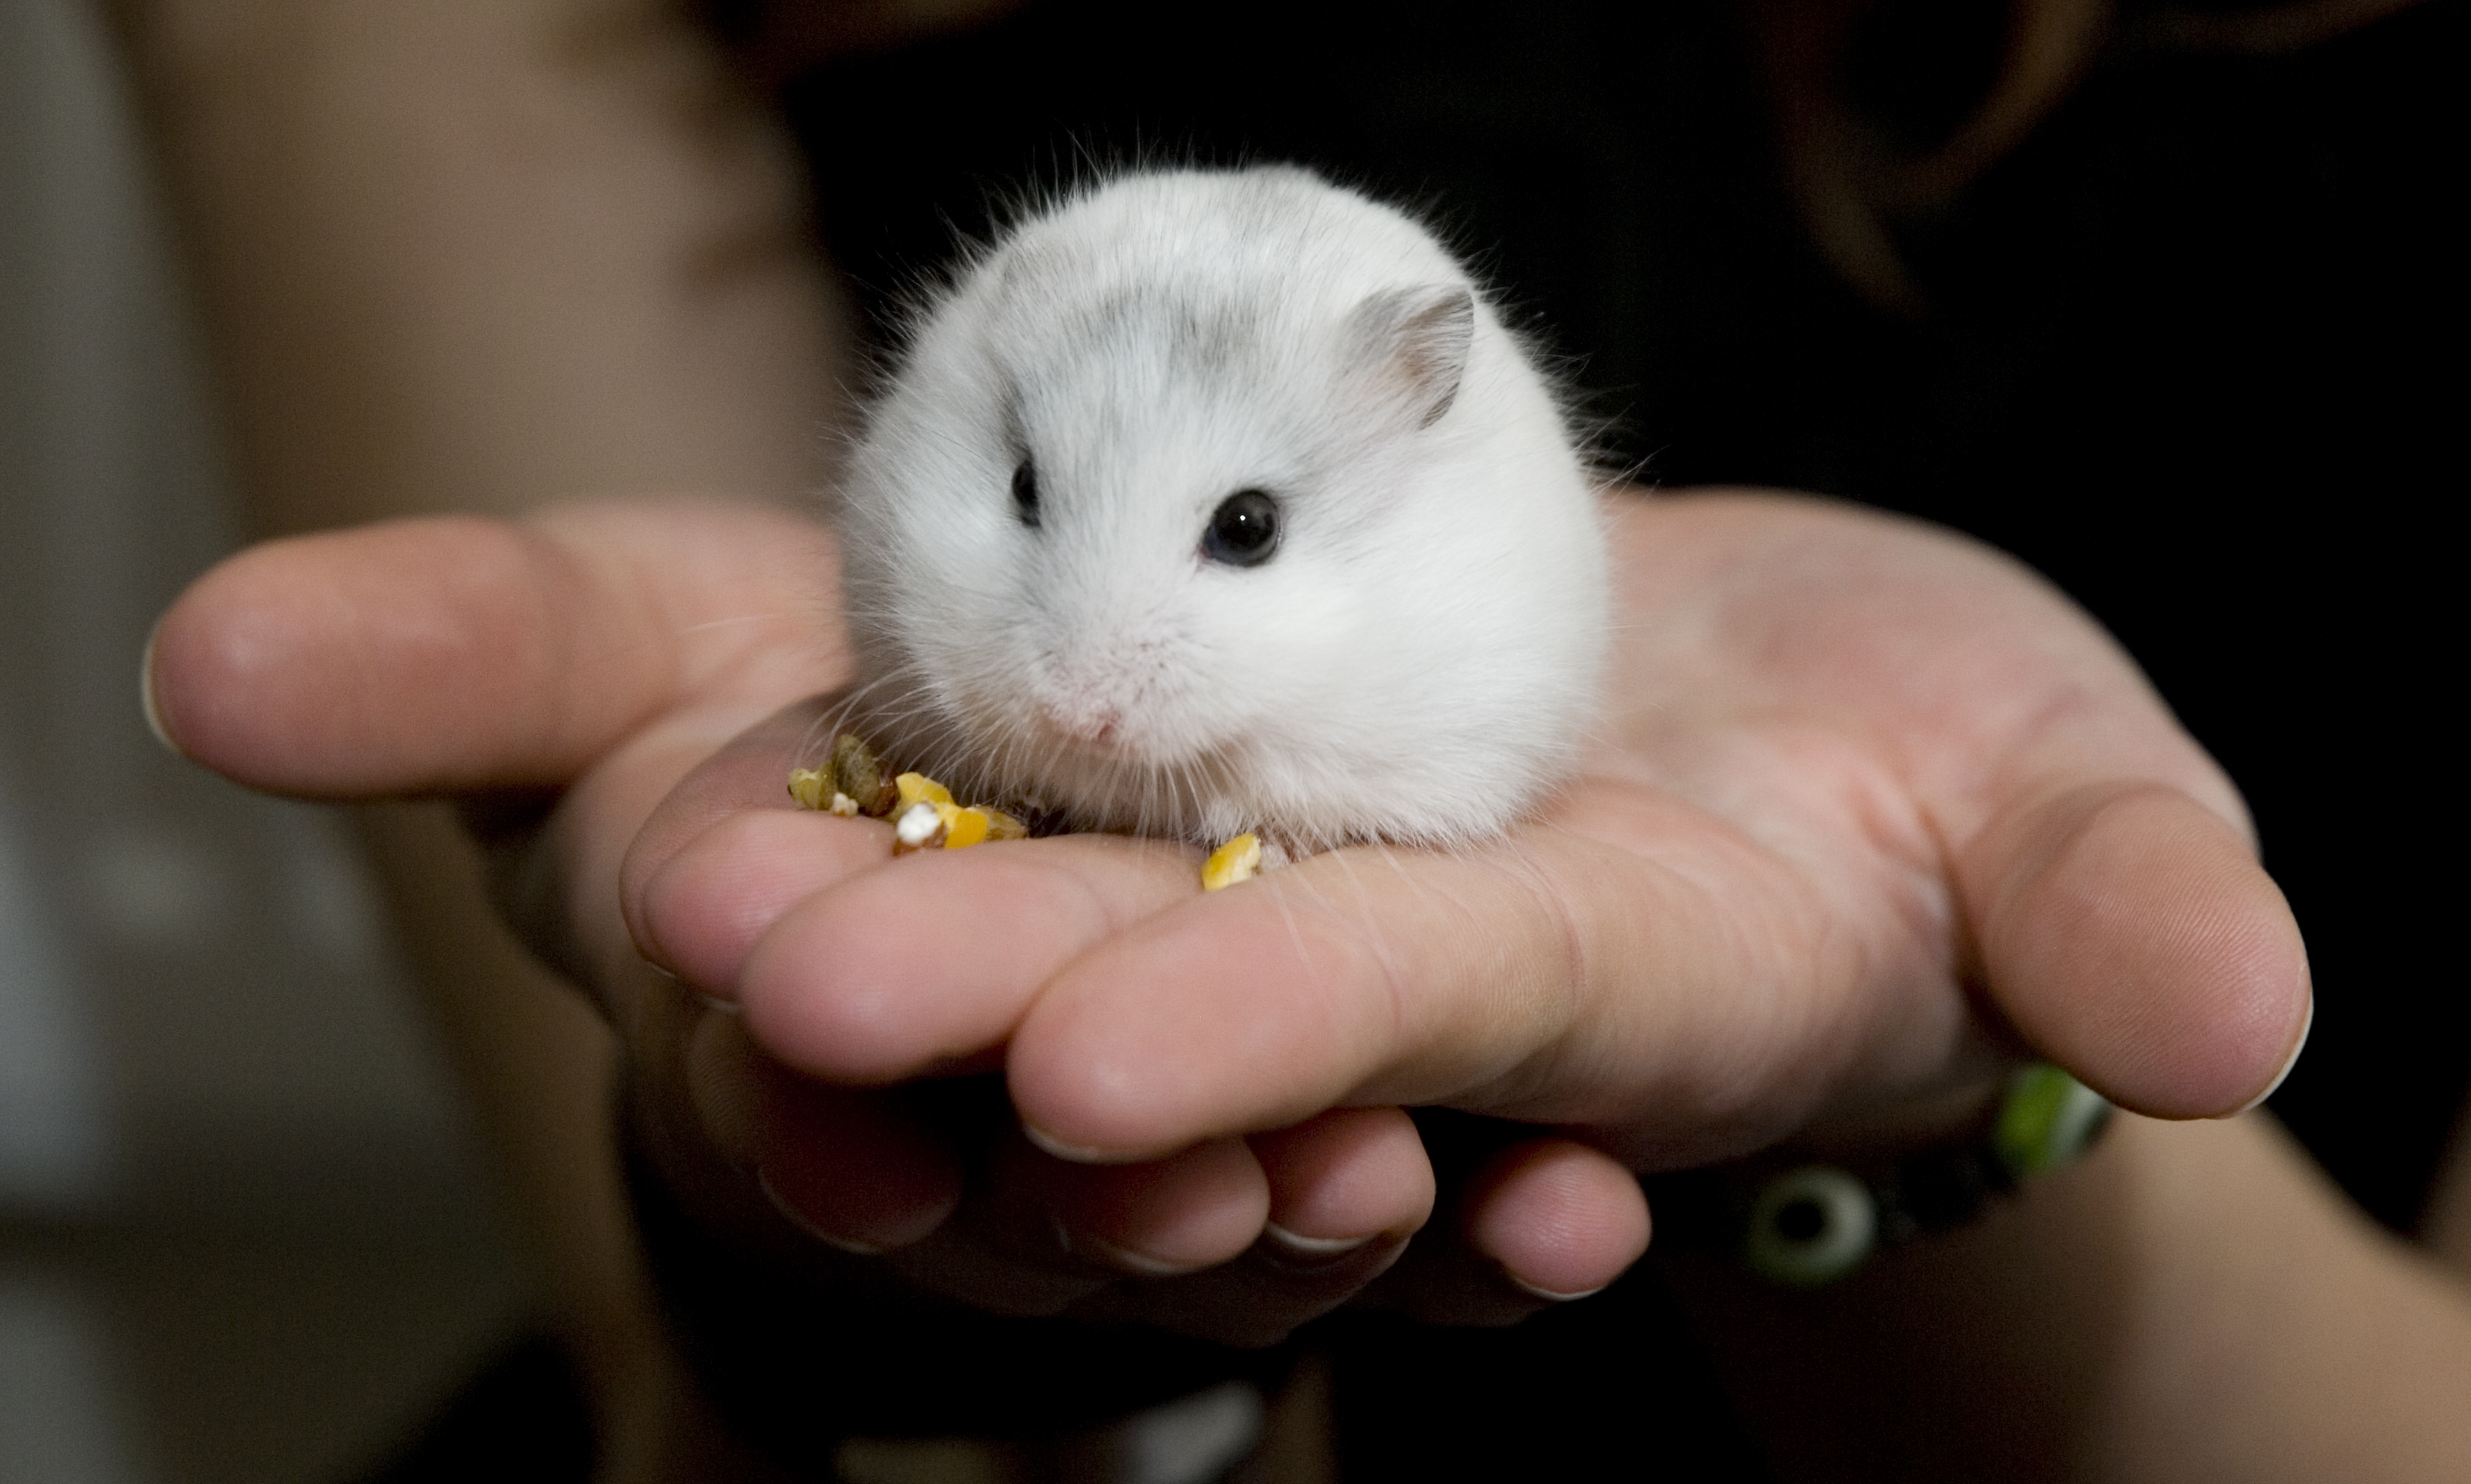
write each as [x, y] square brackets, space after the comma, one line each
[1811, 1226]
[2048, 1120]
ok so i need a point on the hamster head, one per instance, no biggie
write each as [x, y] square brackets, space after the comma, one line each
[1213, 502]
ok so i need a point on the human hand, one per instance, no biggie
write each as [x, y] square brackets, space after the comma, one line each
[1897, 757]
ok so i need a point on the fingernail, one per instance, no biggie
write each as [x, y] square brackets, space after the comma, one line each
[798, 1218]
[1311, 1246]
[1139, 1262]
[146, 701]
[2293, 1060]
[1548, 1295]
[1295, 1253]
[1072, 1153]
[1084, 1245]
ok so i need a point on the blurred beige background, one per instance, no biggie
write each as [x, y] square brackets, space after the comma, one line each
[243, 1231]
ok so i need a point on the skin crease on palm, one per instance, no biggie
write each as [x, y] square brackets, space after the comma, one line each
[1873, 813]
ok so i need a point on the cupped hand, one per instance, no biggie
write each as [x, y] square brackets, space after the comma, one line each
[1871, 811]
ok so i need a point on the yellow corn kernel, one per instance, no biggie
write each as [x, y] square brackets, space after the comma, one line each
[808, 785]
[919, 788]
[1239, 860]
[1001, 826]
[965, 827]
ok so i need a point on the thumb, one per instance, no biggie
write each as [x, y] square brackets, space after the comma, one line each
[452, 653]
[2130, 935]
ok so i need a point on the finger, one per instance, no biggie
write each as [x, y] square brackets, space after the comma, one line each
[864, 1172]
[1690, 995]
[934, 958]
[1341, 1180]
[701, 912]
[883, 1174]
[2130, 935]
[1038, 1236]
[1346, 1191]
[857, 1169]
[1194, 1209]
[747, 775]
[454, 653]
[1528, 1215]
[1560, 1219]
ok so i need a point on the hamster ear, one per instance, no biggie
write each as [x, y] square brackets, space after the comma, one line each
[1409, 349]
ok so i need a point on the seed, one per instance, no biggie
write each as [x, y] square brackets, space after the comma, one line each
[1239, 860]
[923, 809]
[914, 788]
[920, 827]
[964, 827]
[856, 773]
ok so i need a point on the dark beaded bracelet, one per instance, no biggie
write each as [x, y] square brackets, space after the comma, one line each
[1806, 1224]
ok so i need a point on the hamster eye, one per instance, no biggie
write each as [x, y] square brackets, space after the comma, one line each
[1243, 531]
[1024, 492]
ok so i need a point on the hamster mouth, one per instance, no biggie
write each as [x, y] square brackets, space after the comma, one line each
[1100, 732]
[1080, 720]
[1110, 751]
[1120, 778]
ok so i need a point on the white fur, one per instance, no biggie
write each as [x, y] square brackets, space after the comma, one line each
[1416, 664]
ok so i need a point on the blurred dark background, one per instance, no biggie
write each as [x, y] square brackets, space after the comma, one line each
[244, 1235]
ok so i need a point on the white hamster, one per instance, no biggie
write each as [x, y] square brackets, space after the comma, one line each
[1212, 502]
